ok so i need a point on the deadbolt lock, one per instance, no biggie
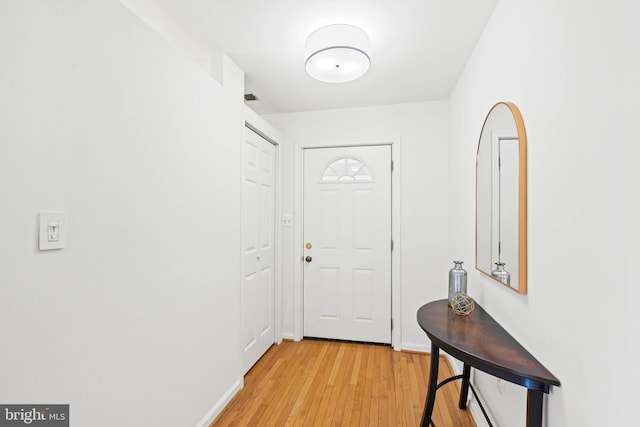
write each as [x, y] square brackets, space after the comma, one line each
[308, 245]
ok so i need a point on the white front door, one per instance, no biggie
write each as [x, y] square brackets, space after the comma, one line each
[347, 238]
[258, 248]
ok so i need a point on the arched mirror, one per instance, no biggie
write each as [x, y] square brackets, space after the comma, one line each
[501, 198]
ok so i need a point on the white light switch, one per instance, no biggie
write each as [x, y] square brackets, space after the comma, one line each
[287, 220]
[52, 233]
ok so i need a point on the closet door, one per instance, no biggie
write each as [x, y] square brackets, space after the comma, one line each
[258, 248]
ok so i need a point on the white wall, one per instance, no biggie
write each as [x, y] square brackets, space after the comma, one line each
[422, 130]
[101, 118]
[207, 57]
[571, 67]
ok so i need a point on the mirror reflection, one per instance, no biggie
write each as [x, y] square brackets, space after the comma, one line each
[501, 197]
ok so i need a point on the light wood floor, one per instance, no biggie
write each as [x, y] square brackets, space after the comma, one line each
[323, 383]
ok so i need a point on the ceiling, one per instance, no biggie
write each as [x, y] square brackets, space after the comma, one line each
[418, 47]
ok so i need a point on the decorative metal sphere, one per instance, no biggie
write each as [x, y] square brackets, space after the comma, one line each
[462, 304]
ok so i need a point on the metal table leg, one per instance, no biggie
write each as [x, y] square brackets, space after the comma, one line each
[534, 408]
[464, 389]
[433, 385]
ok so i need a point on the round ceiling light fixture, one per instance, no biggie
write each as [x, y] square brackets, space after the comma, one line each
[337, 53]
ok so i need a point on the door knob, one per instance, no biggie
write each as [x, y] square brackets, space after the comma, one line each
[308, 258]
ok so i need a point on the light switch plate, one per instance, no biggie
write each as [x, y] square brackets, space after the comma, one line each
[52, 233]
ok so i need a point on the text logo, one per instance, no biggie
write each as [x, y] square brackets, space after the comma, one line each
[34, 415]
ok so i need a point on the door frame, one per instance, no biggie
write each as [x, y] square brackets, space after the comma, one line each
[396, 315]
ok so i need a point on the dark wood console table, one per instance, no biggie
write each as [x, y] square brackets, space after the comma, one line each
[480, 342]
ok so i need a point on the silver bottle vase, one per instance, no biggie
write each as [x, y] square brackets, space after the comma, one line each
[501, 274]
[457, 280]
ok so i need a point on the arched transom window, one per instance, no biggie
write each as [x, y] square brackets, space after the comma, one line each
[347, 169]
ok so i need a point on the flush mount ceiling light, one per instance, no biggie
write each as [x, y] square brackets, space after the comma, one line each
[337, 53]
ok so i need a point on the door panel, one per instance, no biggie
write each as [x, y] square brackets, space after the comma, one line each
[347, 222]
[363, 222]
[329, 296]
[258, 249]
[330, 217]
[363, 294]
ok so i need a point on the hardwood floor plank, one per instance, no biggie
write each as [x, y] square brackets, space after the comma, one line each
[319, 404]
[405, 404]
[318, 383]
[383, 408]
[396, 394]
[309, 409]
[336, 366]
[308, 380]
[359, 390]
[375, 389]
[367, 389]
[301, 367]
[338, 397]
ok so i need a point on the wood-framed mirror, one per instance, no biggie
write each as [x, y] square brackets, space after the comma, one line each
[501, 198]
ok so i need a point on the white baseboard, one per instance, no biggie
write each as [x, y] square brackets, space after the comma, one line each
[288, 336]
[220, 404]
[420, 348]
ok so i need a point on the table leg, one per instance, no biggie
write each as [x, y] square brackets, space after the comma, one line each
[464, 389]
[534, 408]
[433, 384]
